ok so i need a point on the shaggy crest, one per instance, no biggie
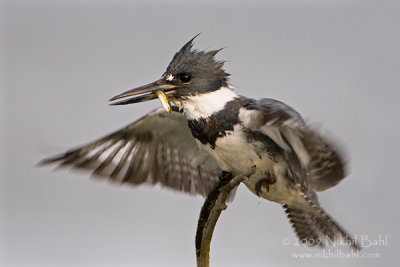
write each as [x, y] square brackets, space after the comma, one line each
[201, 63]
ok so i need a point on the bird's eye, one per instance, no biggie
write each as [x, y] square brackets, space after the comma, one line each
[185, 78]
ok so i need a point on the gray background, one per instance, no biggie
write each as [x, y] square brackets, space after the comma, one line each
[336, 62]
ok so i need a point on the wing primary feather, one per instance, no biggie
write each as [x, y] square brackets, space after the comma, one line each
[71, 158]
[135, 166]
[122, 161]
[96, 155]
[109, 159]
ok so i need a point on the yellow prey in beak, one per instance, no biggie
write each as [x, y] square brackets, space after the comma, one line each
[164, 101]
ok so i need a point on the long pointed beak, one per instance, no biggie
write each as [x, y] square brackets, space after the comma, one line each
[144, 93]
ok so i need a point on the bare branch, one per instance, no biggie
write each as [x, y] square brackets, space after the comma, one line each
[214, 204]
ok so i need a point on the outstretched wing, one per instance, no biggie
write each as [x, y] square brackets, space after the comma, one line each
[157, 148]
[315, 161]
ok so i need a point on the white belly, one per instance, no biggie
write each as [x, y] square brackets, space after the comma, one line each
[234, 154]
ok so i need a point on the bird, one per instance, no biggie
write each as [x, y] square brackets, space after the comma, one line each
[210, 132]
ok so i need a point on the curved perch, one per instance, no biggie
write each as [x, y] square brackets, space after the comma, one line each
[210, 212]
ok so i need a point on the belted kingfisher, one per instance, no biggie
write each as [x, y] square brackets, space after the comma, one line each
[213, 133]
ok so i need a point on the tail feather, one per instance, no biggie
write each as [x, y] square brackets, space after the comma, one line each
[301, 222]
[317, 228]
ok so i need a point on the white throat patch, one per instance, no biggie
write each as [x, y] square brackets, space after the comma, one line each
[204, 105]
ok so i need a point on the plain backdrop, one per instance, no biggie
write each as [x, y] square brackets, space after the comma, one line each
[336, 62]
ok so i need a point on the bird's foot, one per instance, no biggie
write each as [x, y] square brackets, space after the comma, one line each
[225, 176]
[265, 183]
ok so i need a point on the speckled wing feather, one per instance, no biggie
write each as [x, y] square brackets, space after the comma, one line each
[316, 162]
[157, 148]
[317, 228]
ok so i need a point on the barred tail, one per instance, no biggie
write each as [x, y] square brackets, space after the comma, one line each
[317, 228]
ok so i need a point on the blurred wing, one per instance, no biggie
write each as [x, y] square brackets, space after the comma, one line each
[157, 148]
[314, 160]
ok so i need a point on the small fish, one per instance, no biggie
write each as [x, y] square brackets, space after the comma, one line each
[164, 101]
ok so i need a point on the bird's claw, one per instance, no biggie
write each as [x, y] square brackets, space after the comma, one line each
[225, 176]
[265, 182]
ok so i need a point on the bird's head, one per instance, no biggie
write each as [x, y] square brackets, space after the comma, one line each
[190, 73]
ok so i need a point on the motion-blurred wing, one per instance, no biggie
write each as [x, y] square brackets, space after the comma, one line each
[316, 162]
[157, 148]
